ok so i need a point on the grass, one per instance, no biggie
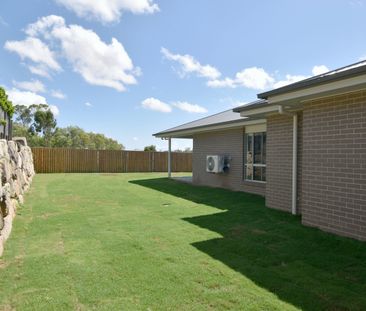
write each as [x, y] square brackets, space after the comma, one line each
[142, 242]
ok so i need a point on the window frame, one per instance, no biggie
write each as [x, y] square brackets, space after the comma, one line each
[263, 148]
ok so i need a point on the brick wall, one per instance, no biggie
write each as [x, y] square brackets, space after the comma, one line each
[228, 142]
[334, 165]
[279, 162]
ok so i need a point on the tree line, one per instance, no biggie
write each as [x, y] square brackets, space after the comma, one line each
[38, 124]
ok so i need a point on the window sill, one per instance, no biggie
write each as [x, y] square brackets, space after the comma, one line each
[255, 183]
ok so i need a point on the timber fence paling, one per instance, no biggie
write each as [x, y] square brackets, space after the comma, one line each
[68, 160]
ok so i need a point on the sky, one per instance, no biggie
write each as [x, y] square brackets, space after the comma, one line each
[131, 68]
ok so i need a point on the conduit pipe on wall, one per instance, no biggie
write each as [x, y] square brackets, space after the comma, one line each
[294, 164]
[295, 121]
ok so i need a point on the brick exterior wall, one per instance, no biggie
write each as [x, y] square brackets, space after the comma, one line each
[331, 163]
[228, 142]
[279, 162]
[334, 165]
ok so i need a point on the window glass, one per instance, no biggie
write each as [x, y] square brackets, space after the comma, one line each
[255, 157]
[264, 148]
[258, 148]
[249, 172]
[257, 173]
[249, 158]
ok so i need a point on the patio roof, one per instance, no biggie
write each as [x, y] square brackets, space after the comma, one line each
[225, 119]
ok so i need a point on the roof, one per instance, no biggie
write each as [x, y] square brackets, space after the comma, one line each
[225, 117]
[331, 76]
[252, 105]
[232, 116]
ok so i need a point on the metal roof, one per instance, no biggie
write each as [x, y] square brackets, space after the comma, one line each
[256, 104]
[225, 117]
[334, 75]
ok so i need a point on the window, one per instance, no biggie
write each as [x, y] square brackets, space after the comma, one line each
[255, 157]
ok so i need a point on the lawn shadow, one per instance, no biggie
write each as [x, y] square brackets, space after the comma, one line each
[303, 266]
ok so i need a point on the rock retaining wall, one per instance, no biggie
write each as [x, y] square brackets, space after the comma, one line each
[16, 173]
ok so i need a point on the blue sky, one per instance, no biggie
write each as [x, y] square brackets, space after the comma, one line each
[129, 68]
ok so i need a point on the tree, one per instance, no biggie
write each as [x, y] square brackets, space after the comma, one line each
[186, 150]
[44, 122]
[24, 115]
[5, 103]
[151, 148]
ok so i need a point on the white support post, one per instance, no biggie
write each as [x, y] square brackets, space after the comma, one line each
[294, 165]
[169, 158]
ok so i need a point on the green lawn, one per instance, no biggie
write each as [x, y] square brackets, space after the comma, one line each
[143, 242]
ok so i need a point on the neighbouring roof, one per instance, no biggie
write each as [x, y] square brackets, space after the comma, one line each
[222, 118]
[331, 76]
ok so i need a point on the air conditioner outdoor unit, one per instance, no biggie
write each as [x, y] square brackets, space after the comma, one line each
[215, 164]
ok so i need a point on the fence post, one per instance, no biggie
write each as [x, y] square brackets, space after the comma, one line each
[98, 162]
[127, 161]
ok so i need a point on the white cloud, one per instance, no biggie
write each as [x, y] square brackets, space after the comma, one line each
[97, 62]
[25, 98]
[88, 104]
[289, 80]
[28, 98]
[58, 94]
[155, 104]
[318, 70]
[33, 86]
[135, 138]
[39, 71]
[252, 78]
[37, 51]
[258, 79]
[227, 82]
[255, 78]
[190, 65]
[109, 10]
[191, 108]
[54, 110]
[43, 25]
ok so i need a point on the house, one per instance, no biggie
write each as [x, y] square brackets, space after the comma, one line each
[302, 146]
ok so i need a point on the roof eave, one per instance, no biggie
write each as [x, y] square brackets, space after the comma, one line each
[314, 82]
[188, 133]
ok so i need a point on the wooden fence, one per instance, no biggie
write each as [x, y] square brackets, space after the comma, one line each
[64, 160]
